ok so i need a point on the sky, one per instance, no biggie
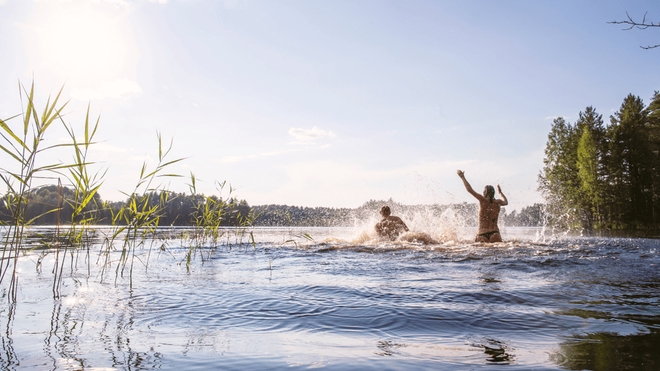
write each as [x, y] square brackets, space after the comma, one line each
[325, 103]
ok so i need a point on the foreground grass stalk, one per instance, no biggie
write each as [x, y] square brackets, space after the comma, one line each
[207, 218]
[23, 148]
[85, 185]
[210, 214]
[133, 224]
[139, 217]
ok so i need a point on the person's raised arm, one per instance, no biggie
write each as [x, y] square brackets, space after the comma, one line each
[468, 187]
[504, 201]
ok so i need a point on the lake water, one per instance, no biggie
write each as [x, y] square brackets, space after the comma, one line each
[342, 301]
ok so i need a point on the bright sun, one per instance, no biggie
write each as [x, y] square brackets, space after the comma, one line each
[87, 44]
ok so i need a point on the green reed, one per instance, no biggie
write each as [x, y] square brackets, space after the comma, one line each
[293, 238]
[133, 224]
[85, 188]
[85, 185]
[210, 214]
[24, 147]
[138, 218]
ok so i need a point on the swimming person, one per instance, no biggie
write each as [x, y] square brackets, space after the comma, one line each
[390, 226]
[489, 211]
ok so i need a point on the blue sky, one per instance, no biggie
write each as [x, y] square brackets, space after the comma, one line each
[328, 103]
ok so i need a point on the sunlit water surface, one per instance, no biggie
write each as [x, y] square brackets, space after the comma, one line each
[343, 301]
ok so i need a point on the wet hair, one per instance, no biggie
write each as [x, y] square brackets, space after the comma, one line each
[385, 211]
[489, 193]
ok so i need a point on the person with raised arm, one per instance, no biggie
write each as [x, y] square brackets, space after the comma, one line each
[489, 211]
[390, 226]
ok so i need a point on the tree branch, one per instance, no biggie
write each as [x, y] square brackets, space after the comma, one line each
[634, 24]
[643, 25]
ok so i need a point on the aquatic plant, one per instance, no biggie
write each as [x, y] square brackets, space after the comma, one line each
[134, 222]
[24, 148]
[207, 217]
[85, 185]
[135, 218]
[294, 237]
[85, 190]
[138, 218]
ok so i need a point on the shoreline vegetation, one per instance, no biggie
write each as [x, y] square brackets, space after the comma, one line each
[76, 203]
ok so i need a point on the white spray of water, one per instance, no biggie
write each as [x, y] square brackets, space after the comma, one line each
[427, 226]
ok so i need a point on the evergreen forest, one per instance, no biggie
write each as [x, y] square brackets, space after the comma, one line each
[600, 176]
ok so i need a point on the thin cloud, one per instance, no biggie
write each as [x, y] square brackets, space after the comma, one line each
[309, 136]
[305, 139]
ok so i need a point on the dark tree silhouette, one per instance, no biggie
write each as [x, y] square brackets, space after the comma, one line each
[642, 25]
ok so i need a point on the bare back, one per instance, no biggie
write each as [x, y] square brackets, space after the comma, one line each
[390, 227]
[488, 214]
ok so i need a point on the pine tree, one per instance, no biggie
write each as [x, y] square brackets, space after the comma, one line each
[629, 165]
[559, 181]
[590, 186]
[653, 117]
[605, 177]
[589, 127]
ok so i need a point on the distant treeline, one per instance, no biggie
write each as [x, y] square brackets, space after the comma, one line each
[599, 176]
[529, 216]
[50, 205]
[283, 215]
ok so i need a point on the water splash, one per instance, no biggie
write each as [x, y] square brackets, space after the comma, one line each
[429, 225]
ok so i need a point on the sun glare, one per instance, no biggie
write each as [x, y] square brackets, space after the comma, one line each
[88, 46]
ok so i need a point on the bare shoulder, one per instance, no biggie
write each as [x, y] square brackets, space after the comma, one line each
[482, 199]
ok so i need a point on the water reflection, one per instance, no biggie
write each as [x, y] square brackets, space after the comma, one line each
[497, 352]
[607, 351]
[8, 358]
[85, 331]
